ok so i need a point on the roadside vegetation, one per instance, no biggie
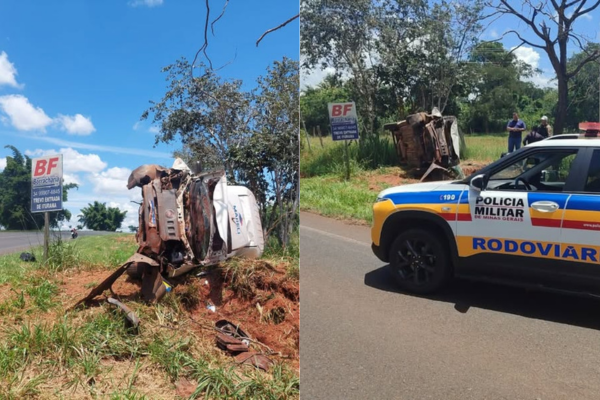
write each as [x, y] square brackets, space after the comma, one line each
[325, 191]
[49, 351]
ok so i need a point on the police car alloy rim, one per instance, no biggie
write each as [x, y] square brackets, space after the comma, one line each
[416, 261]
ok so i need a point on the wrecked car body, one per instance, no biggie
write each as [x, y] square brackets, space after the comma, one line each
[186, 221]
[429, 141]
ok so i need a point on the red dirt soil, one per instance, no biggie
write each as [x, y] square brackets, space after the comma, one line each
[269, 287]
[403, 177]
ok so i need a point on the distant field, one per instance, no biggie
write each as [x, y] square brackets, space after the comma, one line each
[482, 147]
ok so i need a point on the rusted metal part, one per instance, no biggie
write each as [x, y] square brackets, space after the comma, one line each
[201, 212]
[252, 358]
[153, 288]
[144, 174]
[167, 212]
[233, 339]
[227, 342]
[151, 241]
[108, 282]
[129, 314]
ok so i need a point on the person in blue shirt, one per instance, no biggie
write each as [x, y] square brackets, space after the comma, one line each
[515, 128]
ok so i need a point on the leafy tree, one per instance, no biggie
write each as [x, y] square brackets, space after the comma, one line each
[341, 34]
[423, 47]
[313, 102]
[98, 217]
[15, 196]
[268, 161]
[553, 24]
[583, 90]
[132, 228]
[495, 95]
[208, 114]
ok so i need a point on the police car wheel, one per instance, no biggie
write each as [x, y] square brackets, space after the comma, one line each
[419, 261]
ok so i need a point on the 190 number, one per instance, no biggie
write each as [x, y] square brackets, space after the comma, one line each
[448, 197]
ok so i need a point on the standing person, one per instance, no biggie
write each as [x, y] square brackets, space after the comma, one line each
[545, 129]
[515, 128]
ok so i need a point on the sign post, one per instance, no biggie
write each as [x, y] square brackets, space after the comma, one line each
[46, 190]
[344, 126]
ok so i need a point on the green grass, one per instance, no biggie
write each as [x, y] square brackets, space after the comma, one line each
[485, 148]
[331, 196]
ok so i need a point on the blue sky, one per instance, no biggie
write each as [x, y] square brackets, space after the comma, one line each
[494, 29]
[76, 75]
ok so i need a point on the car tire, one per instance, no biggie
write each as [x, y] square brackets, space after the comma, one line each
[420, 261]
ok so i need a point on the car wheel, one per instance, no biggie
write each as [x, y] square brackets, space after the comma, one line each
[419, 261]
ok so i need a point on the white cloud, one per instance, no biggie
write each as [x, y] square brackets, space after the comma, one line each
[113, 181]
[493, 34]
[527, 55]
[68, 178]
[23, 115]
[131, 218]
[146, 3]
[587, 16]
[76, 125]
[314, 77]
[137, 125]
[73, 161]
[112, 149]
[2, 163]
[154, 129]
[8, 72]
[532, 57]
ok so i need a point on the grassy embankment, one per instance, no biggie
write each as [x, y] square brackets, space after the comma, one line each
[48, 352]
[323, 189]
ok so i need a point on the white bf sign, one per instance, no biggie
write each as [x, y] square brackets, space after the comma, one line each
[343, 120]
[46, 183]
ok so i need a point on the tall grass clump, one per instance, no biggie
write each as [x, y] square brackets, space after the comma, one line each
[63, 255]
[289, 253]
[369, 153]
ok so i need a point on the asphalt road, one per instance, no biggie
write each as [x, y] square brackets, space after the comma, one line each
[19, 241]
[360, 338]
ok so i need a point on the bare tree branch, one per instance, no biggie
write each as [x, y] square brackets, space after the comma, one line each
[276, 28]
[205, 45]
[212, 24]
[591, 57]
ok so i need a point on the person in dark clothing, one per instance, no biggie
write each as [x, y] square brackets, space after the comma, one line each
[515, 128]
[533, 136]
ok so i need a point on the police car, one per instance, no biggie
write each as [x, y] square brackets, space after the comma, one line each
[531, 218]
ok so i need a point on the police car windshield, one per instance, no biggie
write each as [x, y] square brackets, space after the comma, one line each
[556, 164]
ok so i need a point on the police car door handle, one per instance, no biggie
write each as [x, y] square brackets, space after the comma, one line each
[545, 206]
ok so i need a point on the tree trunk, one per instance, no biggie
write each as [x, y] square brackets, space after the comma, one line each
[563, 102]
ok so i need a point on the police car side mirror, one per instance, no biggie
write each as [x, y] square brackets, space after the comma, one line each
[478, 182]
